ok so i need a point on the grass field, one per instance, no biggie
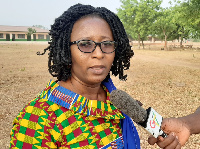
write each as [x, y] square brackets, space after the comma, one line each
[168, 81]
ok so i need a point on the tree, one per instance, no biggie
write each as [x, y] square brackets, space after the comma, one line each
[146, 17]
[164, 25]
[40, 26]
[188, 18]
[138, 17]
[192, 16]
[127, 14]
[30, 32]
[183, 25]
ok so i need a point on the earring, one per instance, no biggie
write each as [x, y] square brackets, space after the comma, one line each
[69, 66]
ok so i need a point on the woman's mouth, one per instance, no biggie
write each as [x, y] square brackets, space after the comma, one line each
[97, 69]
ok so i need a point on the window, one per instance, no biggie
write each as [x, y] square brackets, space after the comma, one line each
[40, 36]
[22, 36]
[1, 35]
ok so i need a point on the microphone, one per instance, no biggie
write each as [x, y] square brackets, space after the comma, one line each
[149, 119]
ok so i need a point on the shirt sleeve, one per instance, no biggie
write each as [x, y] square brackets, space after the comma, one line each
[35, 127]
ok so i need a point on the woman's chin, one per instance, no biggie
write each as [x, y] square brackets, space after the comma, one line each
[97, 79]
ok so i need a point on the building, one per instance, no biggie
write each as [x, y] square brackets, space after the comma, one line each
[19, 33]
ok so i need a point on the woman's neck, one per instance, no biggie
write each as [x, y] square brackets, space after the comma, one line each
[92, 92]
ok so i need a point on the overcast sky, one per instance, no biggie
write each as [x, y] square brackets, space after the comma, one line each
[44, 12]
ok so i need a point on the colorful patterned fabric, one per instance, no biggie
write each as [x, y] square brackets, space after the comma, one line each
[60, 118]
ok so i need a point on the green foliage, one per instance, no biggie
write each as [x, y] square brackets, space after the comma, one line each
[137, 16]
[40, 26]
[31, 31]
[164, 25]
[193, 17]
[146, 17]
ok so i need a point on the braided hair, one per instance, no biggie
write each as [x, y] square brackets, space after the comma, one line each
[59, 62]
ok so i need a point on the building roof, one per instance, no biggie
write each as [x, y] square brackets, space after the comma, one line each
[5, 28]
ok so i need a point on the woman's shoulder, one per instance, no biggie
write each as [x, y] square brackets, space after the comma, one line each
[40, 105]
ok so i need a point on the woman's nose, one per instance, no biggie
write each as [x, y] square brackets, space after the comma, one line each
[97, 53]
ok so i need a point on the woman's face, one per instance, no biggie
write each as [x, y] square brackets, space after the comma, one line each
[91, 68]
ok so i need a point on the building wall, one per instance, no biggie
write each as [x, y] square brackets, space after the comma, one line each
[39, 35]
[2, 36]
[22, 36]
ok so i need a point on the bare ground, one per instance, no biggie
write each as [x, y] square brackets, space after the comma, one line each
[168, 81]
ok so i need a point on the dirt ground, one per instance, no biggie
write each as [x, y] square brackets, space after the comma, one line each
[168, 81]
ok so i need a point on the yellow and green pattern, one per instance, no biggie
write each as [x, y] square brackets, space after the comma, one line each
[60, 118]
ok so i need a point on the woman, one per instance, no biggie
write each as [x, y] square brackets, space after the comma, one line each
[75, 111]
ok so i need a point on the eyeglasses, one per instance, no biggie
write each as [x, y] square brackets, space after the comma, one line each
[88, 46]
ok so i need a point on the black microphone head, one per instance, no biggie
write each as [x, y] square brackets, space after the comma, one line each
[125, 103]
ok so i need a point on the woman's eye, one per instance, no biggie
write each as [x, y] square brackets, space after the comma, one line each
[107, 44]
[85, 44]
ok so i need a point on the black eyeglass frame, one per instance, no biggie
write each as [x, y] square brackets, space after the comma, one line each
[96, 43]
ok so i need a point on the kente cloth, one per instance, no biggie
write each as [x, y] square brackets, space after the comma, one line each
[60, 118]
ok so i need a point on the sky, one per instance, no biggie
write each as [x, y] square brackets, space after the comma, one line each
[44, 12]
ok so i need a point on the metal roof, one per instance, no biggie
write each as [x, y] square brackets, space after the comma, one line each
[4, 28]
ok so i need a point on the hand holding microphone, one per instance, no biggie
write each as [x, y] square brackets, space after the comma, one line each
[148, 119]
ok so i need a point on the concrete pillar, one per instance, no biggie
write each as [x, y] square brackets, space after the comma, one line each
[10, 36]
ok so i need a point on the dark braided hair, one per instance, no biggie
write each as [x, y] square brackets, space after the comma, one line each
[59, 62]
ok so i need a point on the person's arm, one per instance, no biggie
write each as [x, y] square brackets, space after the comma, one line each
[192, 121]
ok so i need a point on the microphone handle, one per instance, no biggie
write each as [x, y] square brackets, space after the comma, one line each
[153, 123]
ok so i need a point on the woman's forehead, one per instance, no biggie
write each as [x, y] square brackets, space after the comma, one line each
[91, 27]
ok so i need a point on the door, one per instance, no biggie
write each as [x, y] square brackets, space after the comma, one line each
[28, 37]
[7, 37]
[34, 37]
[13, 37]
